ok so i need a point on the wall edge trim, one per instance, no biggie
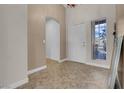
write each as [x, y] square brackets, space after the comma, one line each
[91, 64]
[37, 69]
[17, 84]
[60, 61]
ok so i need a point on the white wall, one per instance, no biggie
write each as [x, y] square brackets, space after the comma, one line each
[13, 38]
[52, 39]
[85, 14]
[120, 27]
[3, 48]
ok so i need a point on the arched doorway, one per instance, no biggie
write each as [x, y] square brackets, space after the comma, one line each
[52, 39]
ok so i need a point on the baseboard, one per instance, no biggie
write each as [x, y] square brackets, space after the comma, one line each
[37, 69]
[16, 84]
[21, 82]
[88, 63]
[97, 65]
[60, 61]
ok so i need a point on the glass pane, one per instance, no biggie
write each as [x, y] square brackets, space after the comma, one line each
[100, 41]
[96, 32]
[96, 26]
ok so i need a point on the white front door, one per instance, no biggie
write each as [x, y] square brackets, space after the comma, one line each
[77, 43]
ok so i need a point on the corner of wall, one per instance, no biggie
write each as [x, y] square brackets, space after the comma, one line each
[16, 84]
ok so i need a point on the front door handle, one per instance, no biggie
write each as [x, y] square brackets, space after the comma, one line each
[84, 43]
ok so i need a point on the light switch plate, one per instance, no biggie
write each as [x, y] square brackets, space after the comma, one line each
[44, 41]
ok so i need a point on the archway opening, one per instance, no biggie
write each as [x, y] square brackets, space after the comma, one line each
[52, 39]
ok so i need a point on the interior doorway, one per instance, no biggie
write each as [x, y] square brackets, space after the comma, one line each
[52, 39]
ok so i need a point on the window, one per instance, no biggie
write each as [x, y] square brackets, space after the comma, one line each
[99, 29]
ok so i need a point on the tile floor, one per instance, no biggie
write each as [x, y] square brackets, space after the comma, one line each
[68, 75]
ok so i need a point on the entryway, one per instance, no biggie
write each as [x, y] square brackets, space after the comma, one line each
[52, 39]
[77, 44]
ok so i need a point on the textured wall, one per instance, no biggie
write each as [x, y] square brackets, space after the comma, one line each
[120, 18]
[14, 44]
[120, 11]
[37, 15]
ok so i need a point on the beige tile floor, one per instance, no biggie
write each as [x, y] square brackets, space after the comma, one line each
[68, 75]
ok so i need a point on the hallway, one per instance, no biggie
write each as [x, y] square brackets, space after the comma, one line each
[68, 75]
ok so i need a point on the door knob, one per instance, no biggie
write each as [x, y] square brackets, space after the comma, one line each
[84, 43]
